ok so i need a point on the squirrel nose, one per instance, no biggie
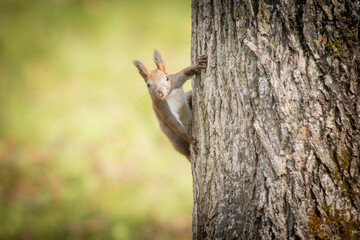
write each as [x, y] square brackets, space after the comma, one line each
[160, 90]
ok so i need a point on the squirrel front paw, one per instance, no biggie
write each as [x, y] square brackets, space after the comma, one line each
[201, 62]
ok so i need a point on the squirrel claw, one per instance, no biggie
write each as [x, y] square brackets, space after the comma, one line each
[202, 61]
[202, 66]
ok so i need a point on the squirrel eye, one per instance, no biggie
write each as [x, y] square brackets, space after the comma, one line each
[167, 78]
[148, 84]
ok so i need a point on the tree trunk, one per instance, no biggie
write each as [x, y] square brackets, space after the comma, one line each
[276, 114]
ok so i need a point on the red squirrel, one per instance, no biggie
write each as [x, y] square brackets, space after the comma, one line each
[172, 106]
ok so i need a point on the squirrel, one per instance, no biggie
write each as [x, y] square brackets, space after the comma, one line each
[172, 106]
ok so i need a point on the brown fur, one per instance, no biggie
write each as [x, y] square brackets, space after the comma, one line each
[171, 105]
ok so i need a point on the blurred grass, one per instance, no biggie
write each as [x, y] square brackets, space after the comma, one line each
[81, 153]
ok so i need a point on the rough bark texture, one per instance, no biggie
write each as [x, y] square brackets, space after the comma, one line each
[276, 114]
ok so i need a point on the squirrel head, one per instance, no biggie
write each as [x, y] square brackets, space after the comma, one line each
[157, 81]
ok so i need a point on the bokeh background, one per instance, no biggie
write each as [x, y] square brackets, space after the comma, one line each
[81, 153]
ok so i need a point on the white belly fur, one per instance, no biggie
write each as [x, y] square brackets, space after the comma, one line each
[179, 106]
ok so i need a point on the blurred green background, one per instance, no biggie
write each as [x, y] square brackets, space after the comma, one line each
[81, 153]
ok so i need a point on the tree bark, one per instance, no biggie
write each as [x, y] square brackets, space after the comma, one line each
[276, 114]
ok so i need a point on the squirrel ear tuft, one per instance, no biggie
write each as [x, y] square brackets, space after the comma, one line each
[142, 69]
[160, 63]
